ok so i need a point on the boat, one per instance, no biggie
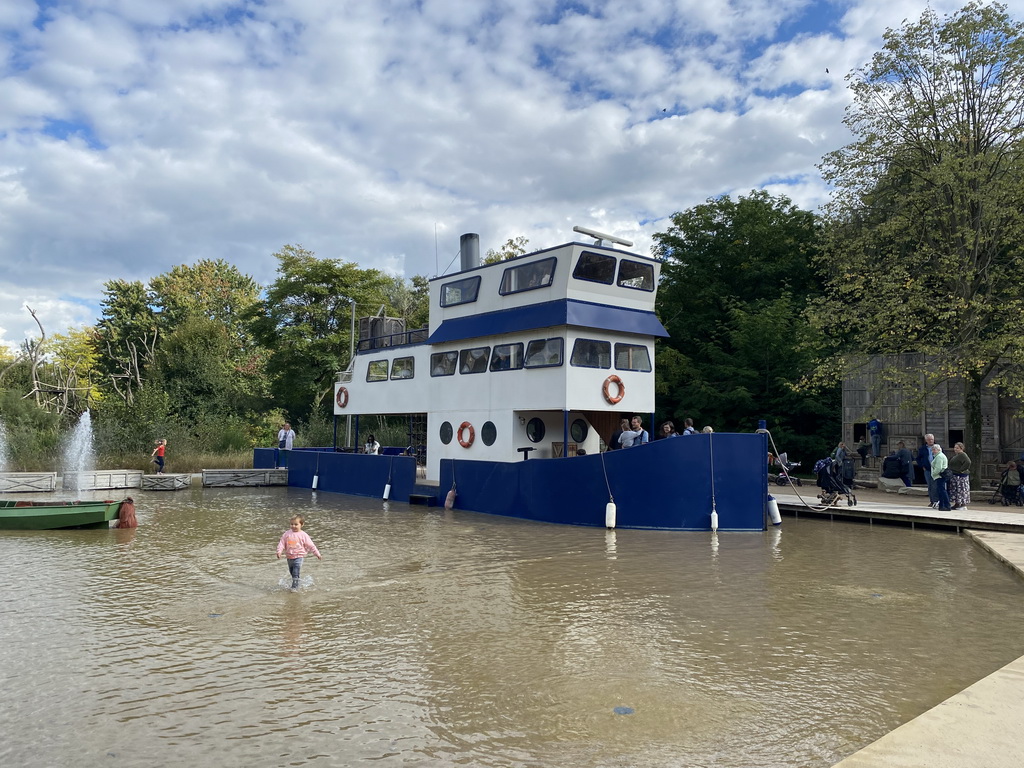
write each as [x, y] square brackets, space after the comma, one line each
[511, 396]
[47, 515]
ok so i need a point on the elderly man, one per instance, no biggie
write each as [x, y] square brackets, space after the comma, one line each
[939, 464]
[924, 461]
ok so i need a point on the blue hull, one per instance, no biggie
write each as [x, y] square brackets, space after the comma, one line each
[668, 485]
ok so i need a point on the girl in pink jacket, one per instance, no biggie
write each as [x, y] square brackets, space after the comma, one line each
[295, 543]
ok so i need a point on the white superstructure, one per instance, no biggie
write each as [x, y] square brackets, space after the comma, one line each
[544, 351]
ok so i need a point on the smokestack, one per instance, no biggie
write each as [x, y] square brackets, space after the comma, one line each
[469, 248]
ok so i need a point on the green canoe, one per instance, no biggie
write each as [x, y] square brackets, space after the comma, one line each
[45, 515]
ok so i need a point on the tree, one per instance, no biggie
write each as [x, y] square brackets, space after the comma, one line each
[923, 250]
[735, 282]
[514, 246]
[126, 337]
[304, 320]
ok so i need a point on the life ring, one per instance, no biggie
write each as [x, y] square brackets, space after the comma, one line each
[342, 397]
[472, 434]
[613, 379]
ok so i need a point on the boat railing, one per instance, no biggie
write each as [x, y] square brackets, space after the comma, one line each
[400, 339]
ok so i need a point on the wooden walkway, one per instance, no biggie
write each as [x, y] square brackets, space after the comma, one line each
[910, 510]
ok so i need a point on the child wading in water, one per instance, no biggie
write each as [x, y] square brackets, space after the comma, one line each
[158, 456]
[295, 543]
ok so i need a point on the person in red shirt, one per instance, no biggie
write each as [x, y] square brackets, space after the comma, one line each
[158, 455]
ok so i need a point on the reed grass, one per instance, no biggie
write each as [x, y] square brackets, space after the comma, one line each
[185, 462]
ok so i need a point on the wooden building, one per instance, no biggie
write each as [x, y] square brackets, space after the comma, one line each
[869, 394]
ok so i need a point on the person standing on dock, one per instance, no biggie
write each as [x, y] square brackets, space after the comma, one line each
[924, 461]
[906, 463]
[940, 465]
[158, 455]
[295, 544]
[876, 431]
[960, 483]
[285, 440]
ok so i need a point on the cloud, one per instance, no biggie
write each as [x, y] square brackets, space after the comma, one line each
[140, 134]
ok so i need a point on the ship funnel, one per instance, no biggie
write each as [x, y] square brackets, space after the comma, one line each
[469, 248]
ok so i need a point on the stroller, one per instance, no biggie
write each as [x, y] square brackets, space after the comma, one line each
[833, 482]
[785, 468]
[1009, 490]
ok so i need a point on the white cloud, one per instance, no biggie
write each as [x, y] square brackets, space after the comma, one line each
[358, 129]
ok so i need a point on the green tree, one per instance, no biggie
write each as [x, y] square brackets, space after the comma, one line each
[735, 282]
[924, 228]
[514, 246]
[304, 320]
[126, 337]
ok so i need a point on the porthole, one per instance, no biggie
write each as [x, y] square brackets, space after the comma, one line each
[579, 430]
[535, 430]
[488, 433]
[447, 432]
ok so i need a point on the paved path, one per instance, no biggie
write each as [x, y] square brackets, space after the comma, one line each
[981, 726]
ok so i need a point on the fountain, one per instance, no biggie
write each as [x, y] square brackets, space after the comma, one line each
[4, 458]
[80, 473]
[79, 455]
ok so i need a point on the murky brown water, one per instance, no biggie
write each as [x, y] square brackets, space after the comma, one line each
[442, 639]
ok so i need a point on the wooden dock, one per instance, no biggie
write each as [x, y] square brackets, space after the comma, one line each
[28, 482]
[102, 480]
[166, 482]
[905, 509]
[232, 478]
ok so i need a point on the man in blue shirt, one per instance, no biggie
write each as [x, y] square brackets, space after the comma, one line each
[875, 430]
[924, 461]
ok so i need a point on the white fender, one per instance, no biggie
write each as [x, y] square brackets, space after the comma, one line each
[316, 481]
[714, 521]
[387, 491]
[609, 514]
[773, 511]
[449, 500]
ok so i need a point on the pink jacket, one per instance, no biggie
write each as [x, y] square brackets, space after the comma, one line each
[296, 544]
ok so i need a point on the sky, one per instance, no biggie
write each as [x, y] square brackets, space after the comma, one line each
[137, 135]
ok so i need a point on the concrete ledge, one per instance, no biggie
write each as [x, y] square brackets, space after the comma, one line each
[891, 484]
[914, 490]
[165, 482]
[28, 482]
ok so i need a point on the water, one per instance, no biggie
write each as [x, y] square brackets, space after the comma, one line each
[79, 455]
[433, 638]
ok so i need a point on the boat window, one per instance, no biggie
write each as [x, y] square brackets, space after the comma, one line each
[403, 368]
[447, 432]
[541, 353]
[526, 277]
[474, 360]
[507, 357]
[444, 363]
[535, 430]
[595, 267]
[488, 433]
[377, 370]
[632, 357]
[636, 274]
[579, 430]
[589, 353]
[460, 291]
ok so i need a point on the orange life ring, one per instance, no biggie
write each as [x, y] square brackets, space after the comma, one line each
[613, 379]
[472, 434]
[342, 397]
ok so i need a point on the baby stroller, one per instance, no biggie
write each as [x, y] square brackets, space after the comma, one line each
[1009, 491]
[786, 468]
[832, 483]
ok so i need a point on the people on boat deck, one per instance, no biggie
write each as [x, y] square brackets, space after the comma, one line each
[158, 455]
[635, 435]
[295, 544]
[372, 447]
[614, 443]
[668, 429]
[688, 430]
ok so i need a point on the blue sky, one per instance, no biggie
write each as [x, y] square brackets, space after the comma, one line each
[136, 135]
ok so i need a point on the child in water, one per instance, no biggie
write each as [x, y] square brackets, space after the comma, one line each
[295, 543]
[158, 455]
